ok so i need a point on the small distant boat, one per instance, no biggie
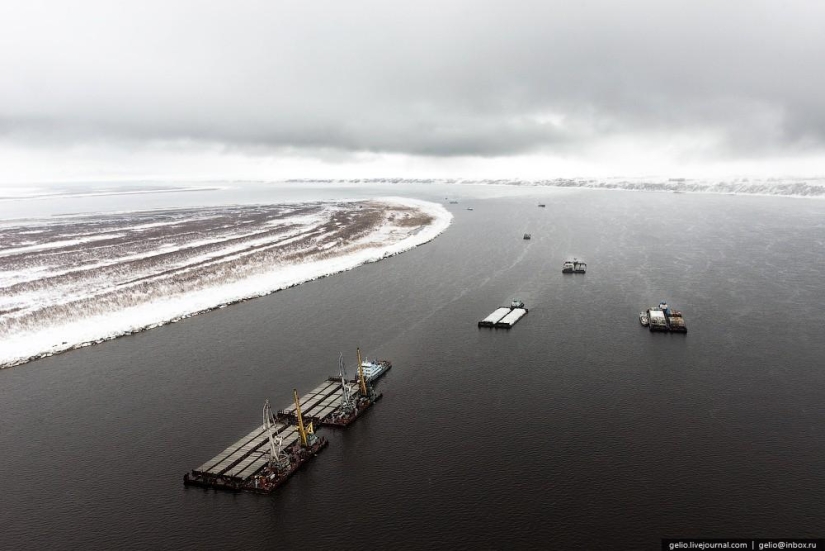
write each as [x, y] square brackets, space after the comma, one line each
[573, 267]
[469, 208]
[453, 202]
[516, 304]
[542, 205]
[527, 236]
[644, 319]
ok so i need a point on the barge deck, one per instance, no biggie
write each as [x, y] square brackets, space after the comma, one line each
[495, 317]
[259, 476]
[266, 457]
[512, 318]
[505, 317]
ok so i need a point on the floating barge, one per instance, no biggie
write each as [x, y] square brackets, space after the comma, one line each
[512, 318]
[663, 319]
[339, 401]
[505, 317]
[260, 461]
[326, 404]
[266, 457]
[495, 317]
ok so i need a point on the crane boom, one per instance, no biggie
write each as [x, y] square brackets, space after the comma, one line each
[275, 440]
[346, 394]
[267, 417]
[361, 373]
[301, 430]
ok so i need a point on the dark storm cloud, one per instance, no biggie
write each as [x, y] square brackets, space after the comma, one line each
[425, 78]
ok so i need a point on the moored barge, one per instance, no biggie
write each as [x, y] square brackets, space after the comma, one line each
[262, 460]
[338, 401]
[265, 458]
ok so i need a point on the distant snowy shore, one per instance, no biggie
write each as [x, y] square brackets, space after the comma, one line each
[813, 187]
[71, 282]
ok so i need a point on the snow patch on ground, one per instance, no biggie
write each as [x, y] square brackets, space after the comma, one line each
[57, 296]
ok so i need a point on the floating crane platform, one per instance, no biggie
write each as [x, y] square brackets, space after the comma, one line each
[266, 457]
[338, 401]
[325, 405]
[245, 465]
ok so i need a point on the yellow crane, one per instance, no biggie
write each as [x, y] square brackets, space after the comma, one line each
[361, 374]
[304, 433]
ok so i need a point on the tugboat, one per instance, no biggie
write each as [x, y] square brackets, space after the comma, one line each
[527, 236]
[542, 205]
[374, 369]
[516, 304]
[567, 267]
[644, 319]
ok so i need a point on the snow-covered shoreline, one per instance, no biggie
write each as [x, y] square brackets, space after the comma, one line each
[381, 242]
[790, 187]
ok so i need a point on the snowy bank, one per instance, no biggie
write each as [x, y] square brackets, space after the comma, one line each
[66, 287]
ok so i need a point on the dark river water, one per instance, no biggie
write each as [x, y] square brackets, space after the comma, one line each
[577, 429]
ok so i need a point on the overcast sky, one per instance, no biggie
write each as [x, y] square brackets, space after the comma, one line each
[272, 89]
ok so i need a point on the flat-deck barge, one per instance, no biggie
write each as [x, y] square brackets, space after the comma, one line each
[267, 456]
[339, 401]
[495, 317]
[327, 406]
[255, 473]
[506, 316]
[512, 318]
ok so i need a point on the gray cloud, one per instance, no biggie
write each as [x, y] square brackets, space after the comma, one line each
[737, 78]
